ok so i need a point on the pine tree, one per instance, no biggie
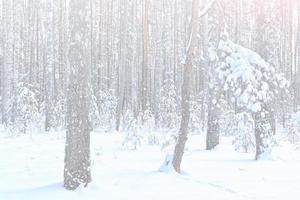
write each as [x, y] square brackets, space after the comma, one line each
[252, 84]
[168, 105]
[27, 115]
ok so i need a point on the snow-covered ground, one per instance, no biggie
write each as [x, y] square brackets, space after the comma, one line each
[31, 168]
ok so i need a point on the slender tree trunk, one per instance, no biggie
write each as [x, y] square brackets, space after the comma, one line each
[212, 37]
[213, 128]
[186, 88]
[264, 120]
[262, 133]
[145, 71]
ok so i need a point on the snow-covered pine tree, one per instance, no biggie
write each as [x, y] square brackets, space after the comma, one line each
[27, 115]
[253, 84]
[168, 105]
[147, 126]
[197, 109]
[293, 126]
[107, 106]
[242, 128]
[133, 137]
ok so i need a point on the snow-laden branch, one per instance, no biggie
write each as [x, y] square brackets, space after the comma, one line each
[207, 8]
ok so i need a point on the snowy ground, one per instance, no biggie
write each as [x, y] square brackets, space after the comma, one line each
[31, 169]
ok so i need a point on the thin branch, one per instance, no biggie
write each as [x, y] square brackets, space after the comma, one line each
[205, 10]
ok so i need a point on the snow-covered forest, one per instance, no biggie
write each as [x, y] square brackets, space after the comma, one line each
[150, 99]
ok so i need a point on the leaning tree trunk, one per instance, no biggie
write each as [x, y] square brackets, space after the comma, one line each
[77, 150]
[186, 89]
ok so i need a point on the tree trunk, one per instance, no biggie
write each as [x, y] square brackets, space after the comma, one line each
[263, 133]
[77, 150]
[213, 128]
[186, 88]
[145, 71]
[213, 111]
[265, 119]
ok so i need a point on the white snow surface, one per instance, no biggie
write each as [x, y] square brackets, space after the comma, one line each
[31, 168]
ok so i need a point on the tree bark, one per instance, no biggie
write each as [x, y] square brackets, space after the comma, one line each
[186, 88]
[145, 71]
[77, 150]
[213, 128]
[262, 133]
[265, 125]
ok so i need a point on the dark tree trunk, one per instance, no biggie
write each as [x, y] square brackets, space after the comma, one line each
[213, 128]
[186, 89]
[263, 133]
